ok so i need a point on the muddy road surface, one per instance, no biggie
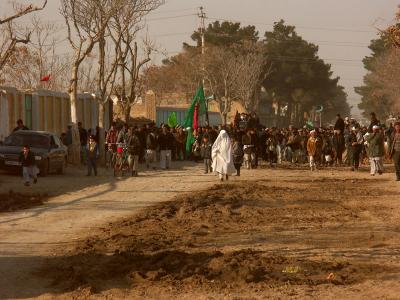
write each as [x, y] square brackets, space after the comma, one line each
[282, 233]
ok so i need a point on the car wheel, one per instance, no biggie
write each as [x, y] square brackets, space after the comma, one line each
[44, 171]
[61, 170]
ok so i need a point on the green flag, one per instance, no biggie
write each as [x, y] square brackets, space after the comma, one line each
[189, 141]
[202, 110]
[172, 120]
[310, 124]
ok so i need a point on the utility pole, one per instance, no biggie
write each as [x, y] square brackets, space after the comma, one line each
[202, 31]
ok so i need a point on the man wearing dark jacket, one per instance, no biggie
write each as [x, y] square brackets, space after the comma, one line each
[374, 122]
[28, 162]
[356, 142]
[376, 150]
[134, 150]
[339, 125]
[165, 141]
[151, 148]
[20, 126]
[205, 152]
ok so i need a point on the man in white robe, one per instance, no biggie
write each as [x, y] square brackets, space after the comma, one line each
[222, 157]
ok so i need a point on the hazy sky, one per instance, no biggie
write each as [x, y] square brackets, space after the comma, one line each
[342, 28]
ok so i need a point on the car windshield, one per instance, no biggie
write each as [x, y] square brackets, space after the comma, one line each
[33, 140]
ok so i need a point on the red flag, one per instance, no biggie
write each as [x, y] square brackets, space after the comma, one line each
[45, 78]
[196, 117]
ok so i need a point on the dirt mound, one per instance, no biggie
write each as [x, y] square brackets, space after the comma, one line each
[207, 269]
[12, 201]
[202, 240]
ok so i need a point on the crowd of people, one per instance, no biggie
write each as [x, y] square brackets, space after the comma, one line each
[346, 144]
[225, 150]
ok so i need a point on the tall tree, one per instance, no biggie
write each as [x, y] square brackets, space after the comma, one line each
[379, 92]
[252, 68]
[82, 21]
[226, 34]
[125, 25]
[371, 101]
[220, 74]
[299, 79]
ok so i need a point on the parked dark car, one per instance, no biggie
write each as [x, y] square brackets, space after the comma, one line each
[50, 153]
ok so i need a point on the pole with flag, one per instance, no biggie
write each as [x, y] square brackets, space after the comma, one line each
[197, 109]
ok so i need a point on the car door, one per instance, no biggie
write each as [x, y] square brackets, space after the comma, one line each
[57, 152]
[60, 151]
[52, 154]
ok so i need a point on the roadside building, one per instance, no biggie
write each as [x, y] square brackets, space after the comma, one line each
[45, 110]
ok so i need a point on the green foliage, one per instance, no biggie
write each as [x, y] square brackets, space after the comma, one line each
[299, 76]
[378, 47]
[371, 101]
[226, 34]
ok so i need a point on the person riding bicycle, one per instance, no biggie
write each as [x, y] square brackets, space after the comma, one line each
[134, 146]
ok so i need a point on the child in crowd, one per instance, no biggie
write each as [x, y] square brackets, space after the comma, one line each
[205, 150]
[28, 162]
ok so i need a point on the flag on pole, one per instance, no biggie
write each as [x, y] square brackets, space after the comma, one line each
[172, 120]
[197, 109]
[199, 100]
[189, 141]
[196, 117]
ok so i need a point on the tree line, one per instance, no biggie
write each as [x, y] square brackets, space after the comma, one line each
[237, 64]
[105, 55]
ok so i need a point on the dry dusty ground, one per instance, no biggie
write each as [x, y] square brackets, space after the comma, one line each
[13, 201]
[284, 233]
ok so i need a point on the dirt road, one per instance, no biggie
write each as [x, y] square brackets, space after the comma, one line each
[79, 206]
[271, 233]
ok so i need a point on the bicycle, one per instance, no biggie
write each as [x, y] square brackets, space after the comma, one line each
[121, 165]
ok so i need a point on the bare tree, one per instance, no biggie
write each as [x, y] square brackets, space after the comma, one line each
[29, 63]
[86, 22]
[250, 66]
[221, 72]
[123, 30]
[22, 11]
[12, 36]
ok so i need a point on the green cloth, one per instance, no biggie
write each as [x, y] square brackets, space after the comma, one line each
[172, 120]
[189, 141]
[201, 100]
[310, 124]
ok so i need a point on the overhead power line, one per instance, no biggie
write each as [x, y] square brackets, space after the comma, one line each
[172, 11]
[172, 17]
[318, 43]
[303, 27]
